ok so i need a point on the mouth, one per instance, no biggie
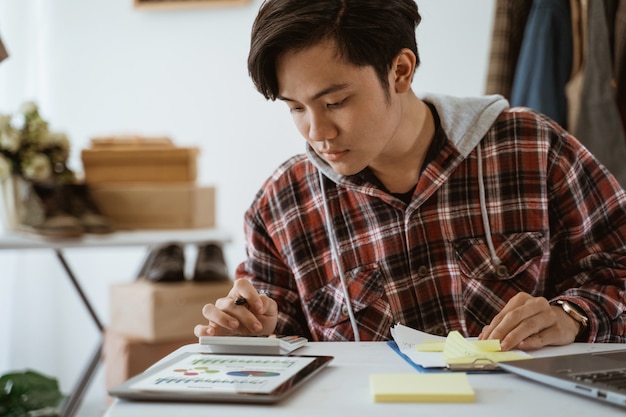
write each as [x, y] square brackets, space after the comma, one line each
[332, 155]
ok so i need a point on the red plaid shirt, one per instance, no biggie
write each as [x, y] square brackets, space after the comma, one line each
[558, 224]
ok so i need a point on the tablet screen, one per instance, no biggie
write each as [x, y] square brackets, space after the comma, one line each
[195, 376]
[225, 373]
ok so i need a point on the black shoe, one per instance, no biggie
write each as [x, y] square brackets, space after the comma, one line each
[48, 213]
[210, 264]
[165, 264]
[84, 208]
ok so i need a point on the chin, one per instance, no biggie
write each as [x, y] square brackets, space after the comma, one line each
[346, 171]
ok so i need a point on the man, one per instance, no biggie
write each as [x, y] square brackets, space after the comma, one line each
[436, 212]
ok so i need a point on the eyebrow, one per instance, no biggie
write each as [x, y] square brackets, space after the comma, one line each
[329, 90]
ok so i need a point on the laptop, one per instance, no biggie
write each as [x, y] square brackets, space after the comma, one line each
[598, 375]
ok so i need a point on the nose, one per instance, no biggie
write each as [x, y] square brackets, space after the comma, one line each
[321, 127]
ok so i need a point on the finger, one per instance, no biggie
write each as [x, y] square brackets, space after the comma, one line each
[203, 330]
[562, 331]
[218, 317]
[248, 321]
[522, 322]
[520, 330]
[517, 301]
[270, 307]
[243, 289]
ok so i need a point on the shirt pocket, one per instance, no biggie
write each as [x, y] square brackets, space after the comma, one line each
[517, 253]
[327, 305]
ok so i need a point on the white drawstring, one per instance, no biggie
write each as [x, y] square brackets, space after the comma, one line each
[335, 252]
[483, 208]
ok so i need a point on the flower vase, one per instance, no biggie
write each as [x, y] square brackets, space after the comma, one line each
[13, 191]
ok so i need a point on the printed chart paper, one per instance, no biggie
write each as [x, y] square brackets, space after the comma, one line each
[224, 373]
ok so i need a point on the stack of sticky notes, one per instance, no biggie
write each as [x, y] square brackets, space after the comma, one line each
[440, 387]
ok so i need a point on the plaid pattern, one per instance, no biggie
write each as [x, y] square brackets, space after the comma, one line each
[620, 60]
[558, 224]
[506, 41]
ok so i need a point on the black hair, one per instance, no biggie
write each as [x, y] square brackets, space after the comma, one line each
[365, 32]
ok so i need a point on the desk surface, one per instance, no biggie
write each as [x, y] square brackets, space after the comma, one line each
[14, 240]
[343, 390]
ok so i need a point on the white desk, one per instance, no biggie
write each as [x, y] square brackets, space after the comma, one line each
[20, 241]
[343, 390]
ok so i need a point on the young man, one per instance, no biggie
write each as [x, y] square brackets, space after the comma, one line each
[436, 212]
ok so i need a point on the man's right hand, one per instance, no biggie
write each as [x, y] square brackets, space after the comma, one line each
[258, 315]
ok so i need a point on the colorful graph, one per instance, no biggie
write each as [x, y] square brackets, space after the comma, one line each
[195, 371]
[258, 374]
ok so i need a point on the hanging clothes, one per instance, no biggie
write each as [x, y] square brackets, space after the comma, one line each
[545, 61]
[619, 60]
[599, 126]
[574, 87]
[506, 41]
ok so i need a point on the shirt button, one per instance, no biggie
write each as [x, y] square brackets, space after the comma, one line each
[344, 309]
[439, 331]
[422, 271]
[502, 271]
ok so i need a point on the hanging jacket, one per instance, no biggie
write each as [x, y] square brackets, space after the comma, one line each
[511, 203]
[599, 125]
[545, 60]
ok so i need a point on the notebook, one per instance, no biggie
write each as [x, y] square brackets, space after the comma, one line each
[599, 375]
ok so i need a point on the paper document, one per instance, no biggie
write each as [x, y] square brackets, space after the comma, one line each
[453, 352]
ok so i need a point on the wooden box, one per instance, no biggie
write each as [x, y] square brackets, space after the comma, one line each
[139, 164]
[160, 312]
[125, 357]
[155, 205]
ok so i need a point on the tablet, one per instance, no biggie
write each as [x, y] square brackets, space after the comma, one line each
[210, 377]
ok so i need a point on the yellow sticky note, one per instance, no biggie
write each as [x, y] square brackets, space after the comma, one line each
[421, 388]
[438, 345]
[457, 350]
[430, 346]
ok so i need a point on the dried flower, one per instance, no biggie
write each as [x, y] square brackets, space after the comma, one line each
[30, 150]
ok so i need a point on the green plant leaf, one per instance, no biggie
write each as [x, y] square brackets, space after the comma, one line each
[29, 394]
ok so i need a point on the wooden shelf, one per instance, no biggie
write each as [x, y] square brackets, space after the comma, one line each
[185, 4]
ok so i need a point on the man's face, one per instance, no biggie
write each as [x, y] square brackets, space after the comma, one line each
[340, 109]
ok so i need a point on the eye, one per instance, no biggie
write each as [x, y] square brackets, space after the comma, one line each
[295, 108]
[336, 104]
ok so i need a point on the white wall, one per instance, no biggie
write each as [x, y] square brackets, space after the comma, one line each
[101, 67]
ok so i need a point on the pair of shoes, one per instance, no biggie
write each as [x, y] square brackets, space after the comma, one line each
[166, 263]
[210, 264]
[62, 211]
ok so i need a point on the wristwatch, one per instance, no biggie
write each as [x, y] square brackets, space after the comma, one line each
[574, 312]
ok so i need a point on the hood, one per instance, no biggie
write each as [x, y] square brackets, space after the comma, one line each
[465, 121]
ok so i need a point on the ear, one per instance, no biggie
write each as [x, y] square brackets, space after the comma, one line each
[402, 70]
